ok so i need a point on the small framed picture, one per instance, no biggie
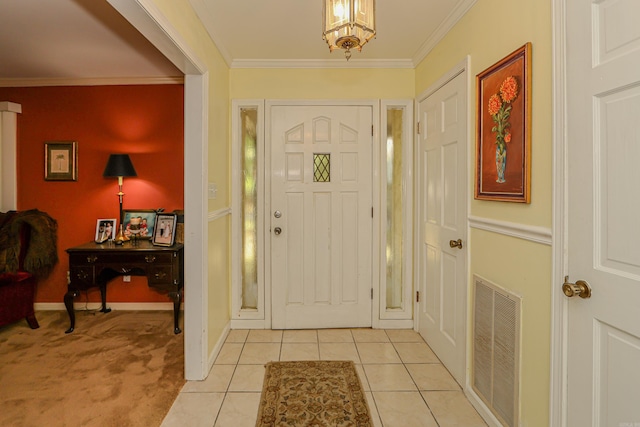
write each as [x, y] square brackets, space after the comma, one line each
[164, 232]
[61, 161]
[138, 223]
[105, 230]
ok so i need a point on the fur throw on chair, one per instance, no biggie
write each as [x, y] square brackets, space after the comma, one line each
[42, 251]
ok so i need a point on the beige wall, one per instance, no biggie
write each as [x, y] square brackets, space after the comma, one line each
[186, 22]
[491, 30]
[335, 83]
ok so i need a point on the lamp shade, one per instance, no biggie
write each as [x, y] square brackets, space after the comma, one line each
[119, 165]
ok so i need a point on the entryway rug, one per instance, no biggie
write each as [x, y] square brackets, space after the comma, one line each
[313, 394]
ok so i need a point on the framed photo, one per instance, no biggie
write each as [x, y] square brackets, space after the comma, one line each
[503, 129]
[61, 161]
[138, 223]
[105, 230]
[164, 232]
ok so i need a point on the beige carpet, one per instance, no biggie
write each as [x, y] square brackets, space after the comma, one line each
[122, 368]
[313, 394]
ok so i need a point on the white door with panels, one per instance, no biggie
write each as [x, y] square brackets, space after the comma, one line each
[321, 215]
[603, 284]
[441, 211]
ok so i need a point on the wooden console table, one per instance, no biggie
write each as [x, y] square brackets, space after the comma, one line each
[94, 265]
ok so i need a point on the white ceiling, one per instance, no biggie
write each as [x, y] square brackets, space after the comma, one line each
[89, 39]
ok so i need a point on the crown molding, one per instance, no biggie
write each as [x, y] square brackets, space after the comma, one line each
[319, 63]
[458, 12]
[106, 81]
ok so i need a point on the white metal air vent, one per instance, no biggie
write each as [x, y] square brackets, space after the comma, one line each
[496, 349]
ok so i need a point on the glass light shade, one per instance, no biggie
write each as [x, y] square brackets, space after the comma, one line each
[348, 24]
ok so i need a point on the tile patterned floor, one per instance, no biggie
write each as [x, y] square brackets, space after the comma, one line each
[405, 383]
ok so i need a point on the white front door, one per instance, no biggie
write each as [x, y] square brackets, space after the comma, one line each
[321, 216]
[603, 116]
[441, 220]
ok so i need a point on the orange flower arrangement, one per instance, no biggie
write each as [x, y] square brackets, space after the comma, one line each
[500, 110]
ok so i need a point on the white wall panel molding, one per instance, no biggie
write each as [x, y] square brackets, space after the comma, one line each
[534, 234]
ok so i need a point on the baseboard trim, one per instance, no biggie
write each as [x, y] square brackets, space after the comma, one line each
[248, 324]
[217, 348]
[394, 324]
[123, 306]
[482, 409]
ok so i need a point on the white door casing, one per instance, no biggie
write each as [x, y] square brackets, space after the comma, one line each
[441, 210]
[321, 260]
[603, 140]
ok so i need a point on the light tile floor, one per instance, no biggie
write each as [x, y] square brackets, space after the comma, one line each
[405, 383]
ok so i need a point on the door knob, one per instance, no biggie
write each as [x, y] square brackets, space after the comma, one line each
[580, 288]
[277, 214]
[456, 243]
[277, 230]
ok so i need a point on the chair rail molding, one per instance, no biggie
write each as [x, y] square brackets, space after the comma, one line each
[217, 214]
[536, 234]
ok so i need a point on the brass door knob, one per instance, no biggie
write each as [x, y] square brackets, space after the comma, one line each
[456, 243]
[580, 288]
[277, 230]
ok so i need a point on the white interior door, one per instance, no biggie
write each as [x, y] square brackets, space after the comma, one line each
[321, 216]
[603, 111]
[442, 219]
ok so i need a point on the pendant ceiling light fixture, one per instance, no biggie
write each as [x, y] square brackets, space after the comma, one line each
[348, 24]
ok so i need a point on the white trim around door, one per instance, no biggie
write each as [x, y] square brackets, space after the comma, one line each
[149, 20]
[260, 316]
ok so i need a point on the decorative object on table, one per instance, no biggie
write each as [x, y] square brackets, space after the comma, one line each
[105, 230]
[164, 232]
[61, 161]
[180, 225]
[503, 129]
[348, 24]
[28, 251]
[313, 393]
[119, 166]
[138, 223]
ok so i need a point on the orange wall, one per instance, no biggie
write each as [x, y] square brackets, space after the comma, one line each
[144, 121]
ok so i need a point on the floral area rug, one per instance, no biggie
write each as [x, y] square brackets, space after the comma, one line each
[313, 394]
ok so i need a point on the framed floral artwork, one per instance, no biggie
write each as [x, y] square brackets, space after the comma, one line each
[503, 129]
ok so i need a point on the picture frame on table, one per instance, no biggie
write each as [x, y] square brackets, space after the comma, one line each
[138, 223]
[61, 161]
[105, 230]
[503, 129]
[164, 232]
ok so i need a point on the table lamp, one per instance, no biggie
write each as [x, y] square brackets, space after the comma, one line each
[119, 165]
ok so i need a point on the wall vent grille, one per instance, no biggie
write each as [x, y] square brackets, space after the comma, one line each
[496, 349]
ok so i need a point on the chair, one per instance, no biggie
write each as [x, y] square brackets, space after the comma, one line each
[21, 264]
